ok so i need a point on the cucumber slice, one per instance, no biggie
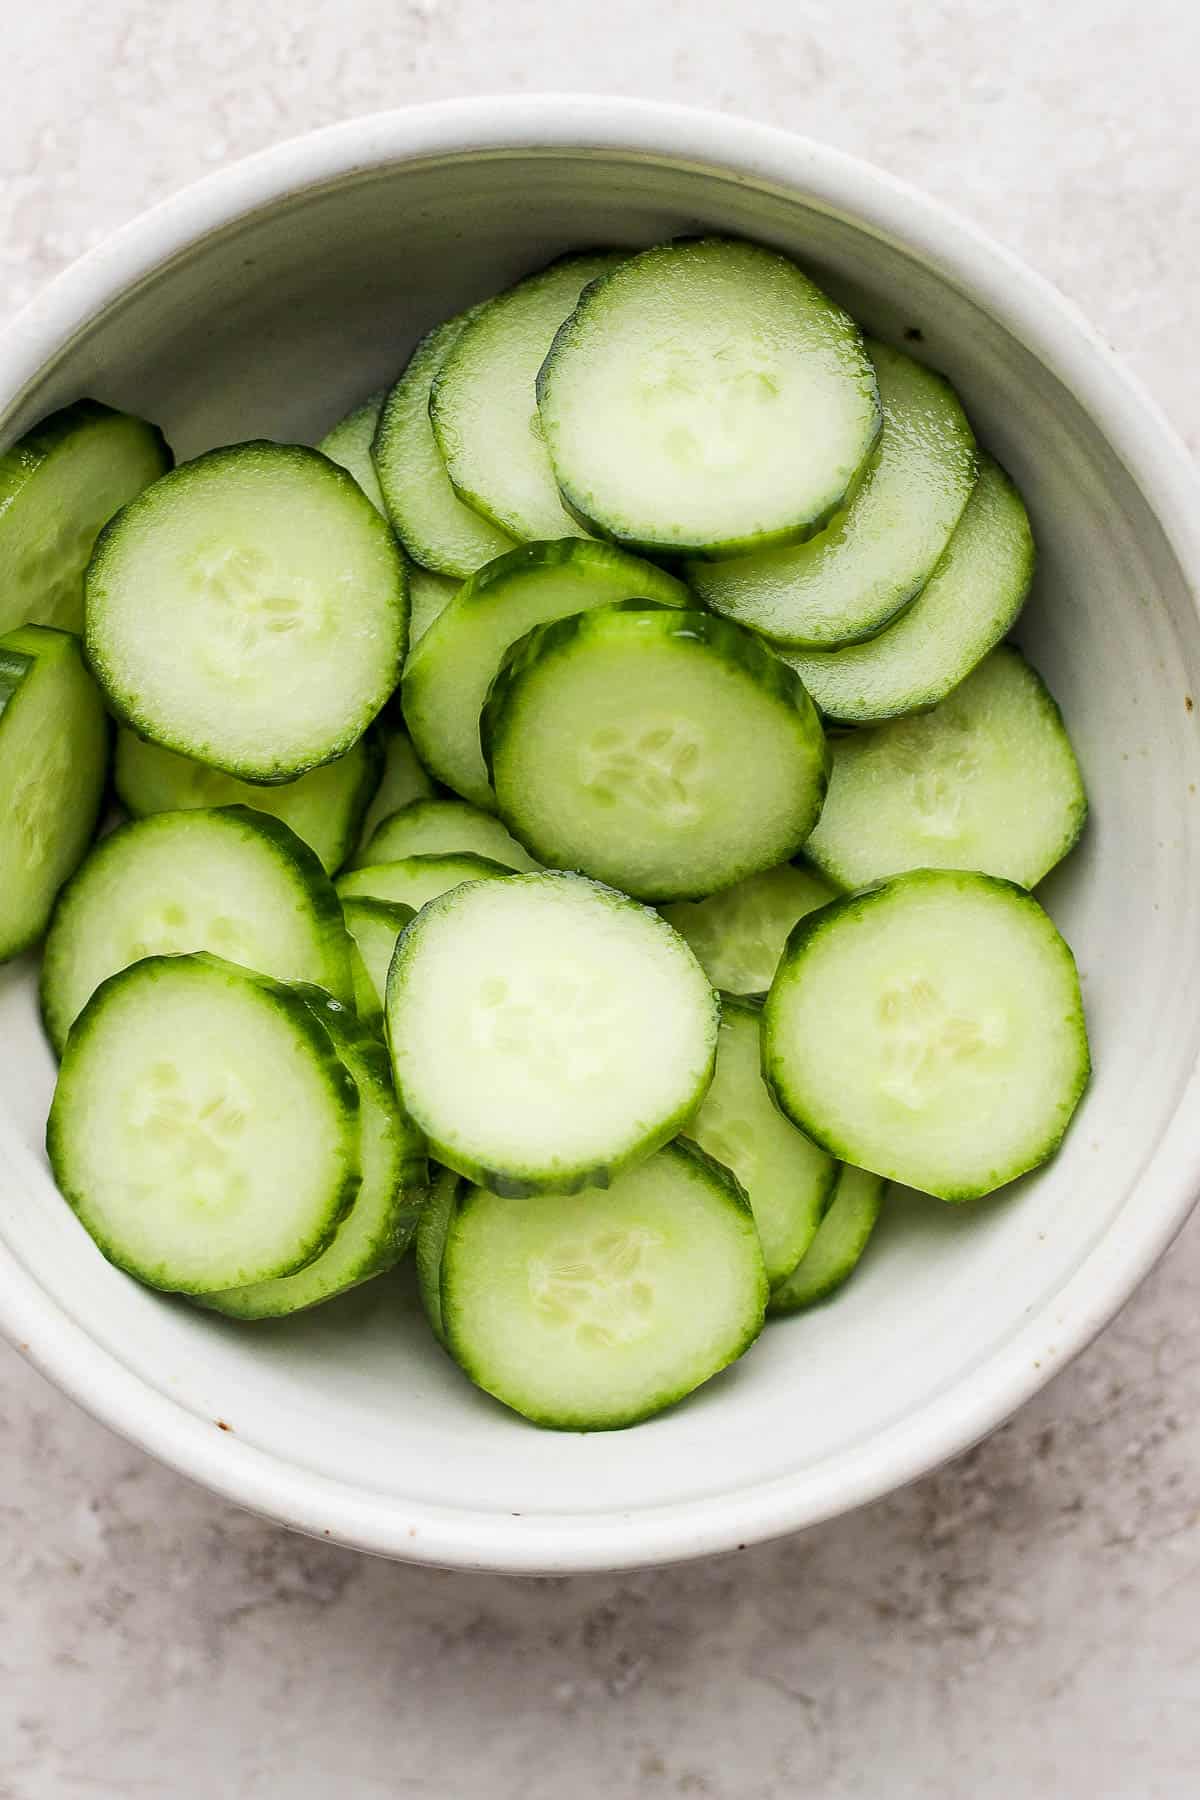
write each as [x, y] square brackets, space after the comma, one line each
[430, 1245]
[429, 596]
[787, 1179]
[349, 445]
[53, 762]
[374, 925]
[203, 1127]
[448, 675]
[403, 778]
[232, 881]
[59, 485]
[249, 610]
[707, 398]
[931, 1030]
[986, 781]
[432, 523]
[851, 580]
[547, 1032]
[414, 880]
[441, 827]
[738, 935]
[664, 752]
[837, 1249]
[599, 1313]
[970, 601]
[326, 807]
[380, 1225]
[483, 402]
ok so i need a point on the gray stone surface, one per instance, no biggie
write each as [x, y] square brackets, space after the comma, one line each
[1024, 1625]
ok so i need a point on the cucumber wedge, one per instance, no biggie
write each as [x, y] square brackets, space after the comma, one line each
[987, 780]
[402, 778]
[483, 403]
[931, 1030]
[853, 578]
[249, 610]
[449, 672]
[665, 752]
[59, 485]
[349, 445]
[547, 1032]
[707, 398]
[969, 603]
[374, 925]
[414, 880]
[601, 1312]
[443, 827]
[738, 935]
[837, 1249]
[53, 762]
[204, 1128]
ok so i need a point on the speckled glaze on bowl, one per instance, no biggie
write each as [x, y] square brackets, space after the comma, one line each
[262, 302]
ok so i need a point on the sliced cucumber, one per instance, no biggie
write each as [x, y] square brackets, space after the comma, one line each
[448, 675]
[836, 1251]
[249, 610]
[430, 1245]
[403, 778]
[53, 763]
[204, 1128]
[349, 445]
[738, 935]
[596, 1314]
[59, 485]
[852, 579]
[547, 1032]
[429, 596]
[326, 807]
[432, 523]
[706, 398]
[484, 407]
[971, 599]
[931, 1030]
[374, 925]
[663, 751]
[443, 827]
[380, 1225]
[232, 881]
[414, 880]
[986, 781]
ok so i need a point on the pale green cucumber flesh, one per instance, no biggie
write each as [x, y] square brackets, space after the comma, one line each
[443, 827]
[349, 445]
[838, 1246]
[374, 925]
[402, 778]
[429, 595]
[738, 934]
[430, 1245]
[414, 880]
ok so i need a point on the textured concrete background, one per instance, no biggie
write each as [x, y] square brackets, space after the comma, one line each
[1024, 1625]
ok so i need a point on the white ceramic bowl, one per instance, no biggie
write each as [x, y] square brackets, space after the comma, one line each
[262, 302]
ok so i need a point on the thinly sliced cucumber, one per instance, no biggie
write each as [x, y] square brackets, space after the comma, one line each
[448, 675]
[429, 596]
[971, 599]
[414, 880]
[374, 925]
[931, 1030]
[249, 610]
[440, 828]
[430, 1244]
[326, 807]
[53, 762]
[403, 778]
[432, 523]
[232, 881]
[837, 1248]
[484, 407]
[787, 1179]
[204, 1127]
[380, 1225]
[738, 935]
[546, 1032]
[349, 445]
[666, 752]
[59, 485]
[986, 781]
[707, 398]
[852, 579]
[598, 1313]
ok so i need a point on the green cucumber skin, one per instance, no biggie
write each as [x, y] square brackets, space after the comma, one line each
[794, 1295]
[807, 928]
[26, 456]
[307, 1027]
[574, 553]
[432, 1231]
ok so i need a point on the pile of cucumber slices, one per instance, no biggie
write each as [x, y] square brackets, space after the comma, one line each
[580, 820]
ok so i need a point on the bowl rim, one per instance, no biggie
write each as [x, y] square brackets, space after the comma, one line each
[1046, 323]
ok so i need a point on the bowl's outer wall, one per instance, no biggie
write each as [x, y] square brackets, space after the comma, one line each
[350, 1422]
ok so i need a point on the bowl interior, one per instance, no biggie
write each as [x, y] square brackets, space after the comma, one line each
[273, 327]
